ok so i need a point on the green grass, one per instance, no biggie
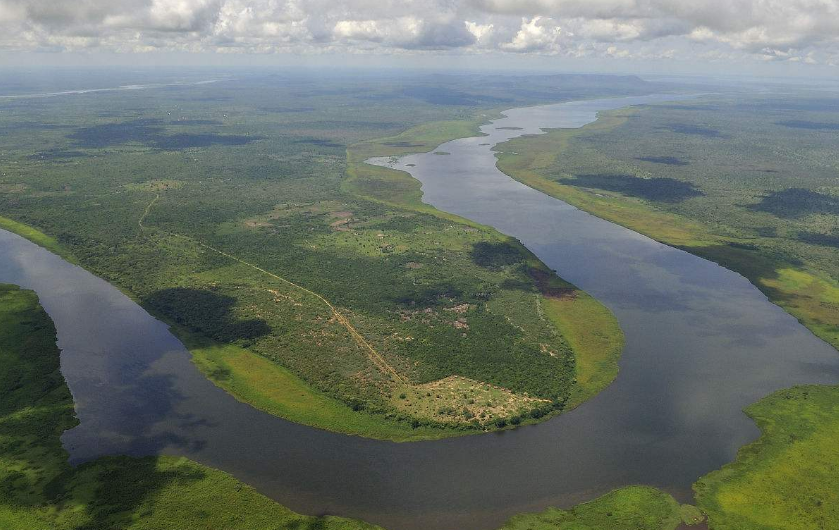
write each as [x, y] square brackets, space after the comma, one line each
[594, 335]
[789, 477]
[630, 508]
[38, 488]
[269, 387]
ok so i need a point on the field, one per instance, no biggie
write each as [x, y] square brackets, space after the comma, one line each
[41, 491]
[630, 508]
[789, 478]
[748, 182]
[305, 282]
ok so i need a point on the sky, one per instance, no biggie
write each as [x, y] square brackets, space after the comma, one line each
[795, 37]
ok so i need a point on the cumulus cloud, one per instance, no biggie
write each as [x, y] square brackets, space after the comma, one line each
[537, 34]
[805, 31]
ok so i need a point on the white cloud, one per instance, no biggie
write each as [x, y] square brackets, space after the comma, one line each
[481, 32]
[805, 31]
[535, 35]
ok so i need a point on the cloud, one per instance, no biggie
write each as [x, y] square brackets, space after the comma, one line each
[804, 31]
[407, 33]
[537, 34]
[481, 32]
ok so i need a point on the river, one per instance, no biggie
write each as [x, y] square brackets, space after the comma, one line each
[701, 344]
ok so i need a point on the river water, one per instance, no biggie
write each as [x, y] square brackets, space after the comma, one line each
[701, 344]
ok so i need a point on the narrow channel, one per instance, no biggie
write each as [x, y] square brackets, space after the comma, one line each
[701, 344]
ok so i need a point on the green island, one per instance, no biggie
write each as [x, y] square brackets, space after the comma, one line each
[305, 282]
[40, 490]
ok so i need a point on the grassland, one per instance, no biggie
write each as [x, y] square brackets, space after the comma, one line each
[630, 508]
[307, 283]
[726, 179]
[594, 335]
[789, 478]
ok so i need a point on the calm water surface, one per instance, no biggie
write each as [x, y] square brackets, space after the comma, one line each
[702, 343]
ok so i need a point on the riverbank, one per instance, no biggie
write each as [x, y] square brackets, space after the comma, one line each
[761, 489]
[588, 327]
[42, 491]
[787, 479]
[549, 163]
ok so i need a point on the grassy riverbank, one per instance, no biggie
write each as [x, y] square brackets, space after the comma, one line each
[269, 387]
[708, 178]
[41, 491]
[789, 477]
[630, 508]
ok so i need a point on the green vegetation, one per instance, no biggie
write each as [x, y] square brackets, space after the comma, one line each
[789, 478]
[631, 508]
[36, 237]
[728, 179]
[594, 335]
[38, 488]
[274, 389]
[306, 283]
[41, 491]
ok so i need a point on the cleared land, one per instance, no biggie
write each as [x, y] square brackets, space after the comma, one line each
[305, 282]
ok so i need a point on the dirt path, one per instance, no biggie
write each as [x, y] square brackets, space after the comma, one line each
[146, 212]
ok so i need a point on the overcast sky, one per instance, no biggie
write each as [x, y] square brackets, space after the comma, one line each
[800, 36]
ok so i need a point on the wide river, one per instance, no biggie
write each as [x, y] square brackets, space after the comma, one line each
[701, 344]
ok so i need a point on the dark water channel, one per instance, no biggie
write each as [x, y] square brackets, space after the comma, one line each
[702, 343]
